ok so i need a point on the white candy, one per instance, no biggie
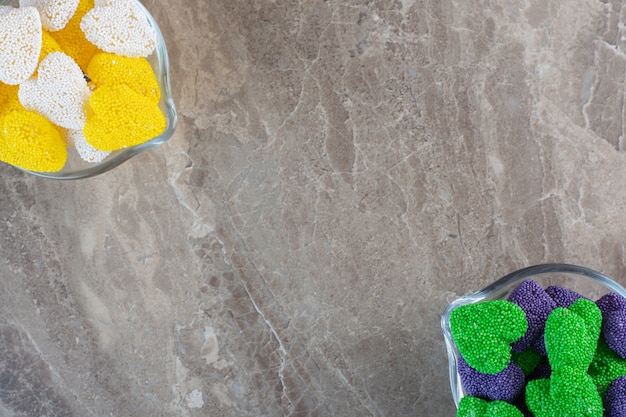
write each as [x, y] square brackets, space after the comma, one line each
[20, 43]
[54, 13]
[6, 9]
[87, 152]
[59, 92]
[119, 27]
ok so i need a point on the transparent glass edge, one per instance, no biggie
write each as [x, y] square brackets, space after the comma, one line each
[167, 106]
[499, 287]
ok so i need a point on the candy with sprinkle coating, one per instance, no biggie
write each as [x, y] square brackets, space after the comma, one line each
[615, 398]
[29, 141]
[119, 27]
[478, 407]
[136, 73]
[527, 360]
[72, 39]
[44, 69]
[121, 118]
[613, 307]
[54, 13]
[606, 366]
[506, 385]
[568, 392]
[571, 335]
[484, 332]
[59, 91]
[563, 297]
[87, 152]
[537, 305]
[20, 43]
[579, 367]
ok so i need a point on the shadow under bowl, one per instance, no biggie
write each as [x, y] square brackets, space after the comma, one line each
[586, 282]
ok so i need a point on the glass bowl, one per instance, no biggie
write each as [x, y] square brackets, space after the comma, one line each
[75, 167]
[586, 282]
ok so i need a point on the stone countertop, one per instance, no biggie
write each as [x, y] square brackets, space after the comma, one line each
[341, 171]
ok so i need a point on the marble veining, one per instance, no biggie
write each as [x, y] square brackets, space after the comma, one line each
[342, 170]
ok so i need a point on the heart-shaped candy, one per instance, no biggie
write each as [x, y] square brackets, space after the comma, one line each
[614, 331]
[121, 118]
[72, 39]
[563, 297]
[87, 152]
[477, 407]
[537, 305]
[613, 307]
[571, 334]
[611, 302]
[54, 13]
[59, 92]
[484, 331]
[29, 141]
[615, 398]
[505, 385]
[20, 43]
[48, 45]
[8, 98]
[606, 366]
[136, 73]
[119, 27]
[568, 392]
[527, 360]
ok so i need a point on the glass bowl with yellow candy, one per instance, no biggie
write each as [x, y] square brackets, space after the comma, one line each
[84, 85]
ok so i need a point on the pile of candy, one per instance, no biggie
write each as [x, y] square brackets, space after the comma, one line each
[74, 74]
[542, 353]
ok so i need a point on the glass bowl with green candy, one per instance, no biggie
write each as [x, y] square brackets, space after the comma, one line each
[547, 340]
[84, 85]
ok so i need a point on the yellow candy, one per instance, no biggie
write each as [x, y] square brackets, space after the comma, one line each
[48, 45]
[8, 98]
[123, 107]
[107, 69]
[121, 118]
[30, 141]
[72, 40]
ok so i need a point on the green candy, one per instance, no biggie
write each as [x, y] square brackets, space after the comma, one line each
[571, 337]
[591, 314]
[571, 334]
[477, 407]
[568, 393]
[527, 360]
[484, 331]
[606, 366]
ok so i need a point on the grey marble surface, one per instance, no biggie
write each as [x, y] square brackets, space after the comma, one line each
[342, 170]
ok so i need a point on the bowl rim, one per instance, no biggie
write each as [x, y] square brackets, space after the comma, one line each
[500, 287]
[162, 73]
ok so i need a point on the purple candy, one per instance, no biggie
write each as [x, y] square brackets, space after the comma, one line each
[611, 302]
[540, 346]
[614, 331]
[505, 385]
[613, 308]
[615, 398]
[537, 305]
[563, 297]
